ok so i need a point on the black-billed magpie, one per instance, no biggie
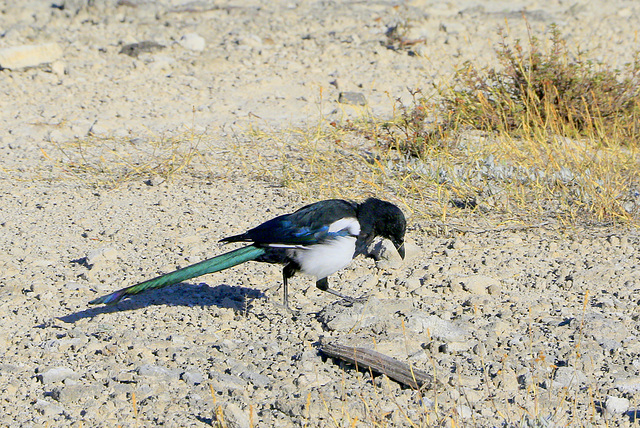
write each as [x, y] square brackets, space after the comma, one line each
[318, 240]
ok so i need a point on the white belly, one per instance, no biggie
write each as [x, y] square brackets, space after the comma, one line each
[322, 260]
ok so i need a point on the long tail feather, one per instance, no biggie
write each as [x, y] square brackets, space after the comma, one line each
[215, 264]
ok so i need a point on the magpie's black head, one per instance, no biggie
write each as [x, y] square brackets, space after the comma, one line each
[382, 218]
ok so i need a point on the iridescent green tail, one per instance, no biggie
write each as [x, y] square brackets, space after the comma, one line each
[215, 264]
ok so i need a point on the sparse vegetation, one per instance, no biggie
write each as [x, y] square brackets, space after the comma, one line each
[546, 134]
[537, 93]
[110, 161]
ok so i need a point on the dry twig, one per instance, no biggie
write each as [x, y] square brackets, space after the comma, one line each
[380, 363]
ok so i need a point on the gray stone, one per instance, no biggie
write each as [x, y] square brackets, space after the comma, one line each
[255, 378]
[144, 391]
[363, 313]
[74, 393]
[464, 411]
[126, 377]
[76, 333]
[18, 57]
[226, 383]
[9, 368]
[192, 378]
[436, 326]
[290, 406]
[57, 136]
[162, 63]
[607, 332]
[568, 376]
[312, 379]
[58, 68]
[158, 371]
[47, 409]
[135, 49]
[57, 374]
[352, 98]
[385, 254]
[494, 289]
[411, 250]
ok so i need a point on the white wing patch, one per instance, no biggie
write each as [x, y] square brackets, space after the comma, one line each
[301, 247]
[349, 223]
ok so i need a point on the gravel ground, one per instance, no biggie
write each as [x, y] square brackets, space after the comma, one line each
[533, 321]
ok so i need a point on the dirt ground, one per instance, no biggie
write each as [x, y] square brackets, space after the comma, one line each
[532, 322]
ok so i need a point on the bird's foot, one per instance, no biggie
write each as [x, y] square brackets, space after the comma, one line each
[362, 299]
[349, 299]
[287, 308]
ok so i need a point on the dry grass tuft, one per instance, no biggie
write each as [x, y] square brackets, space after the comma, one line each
[537, 93]
[329, 161]
[544, 135]
[109, 162]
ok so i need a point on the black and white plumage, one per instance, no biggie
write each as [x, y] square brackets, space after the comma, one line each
[318, 240]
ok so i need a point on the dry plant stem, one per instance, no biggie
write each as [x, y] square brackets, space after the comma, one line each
[380, 363]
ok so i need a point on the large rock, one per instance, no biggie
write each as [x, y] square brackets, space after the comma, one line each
[566, 377]
[420, 323]
[236, 417]
[18, 57]
[616, 405]
[101, 255]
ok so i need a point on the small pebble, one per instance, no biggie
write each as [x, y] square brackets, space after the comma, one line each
[352, 98]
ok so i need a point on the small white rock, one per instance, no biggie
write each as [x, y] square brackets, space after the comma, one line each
[192, 378]
[411, 250]
[616, 405]
[57, 137]
[631, 384]
[308, 380]
[162, 63]
[58, 68]
[464, 411]
[386, 255]
[193, 42]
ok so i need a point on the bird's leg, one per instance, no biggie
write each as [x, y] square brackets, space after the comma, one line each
[288, 271]
[323, 285]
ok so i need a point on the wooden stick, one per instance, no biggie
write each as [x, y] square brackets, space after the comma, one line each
[380, 363]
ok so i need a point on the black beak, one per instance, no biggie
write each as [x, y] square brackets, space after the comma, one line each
[400, 247]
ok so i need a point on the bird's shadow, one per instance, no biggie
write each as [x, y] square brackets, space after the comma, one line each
[222, 296]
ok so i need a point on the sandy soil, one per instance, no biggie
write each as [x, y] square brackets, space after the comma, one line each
[513, 322]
